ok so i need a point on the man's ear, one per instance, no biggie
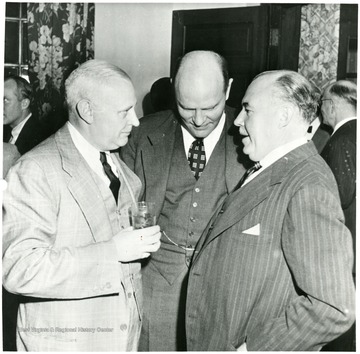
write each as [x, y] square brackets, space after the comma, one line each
[84, 110]
[25, 103]
[229, 87]
[286, 114]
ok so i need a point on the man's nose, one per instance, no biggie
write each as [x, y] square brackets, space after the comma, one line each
[199, 117]
[133, 118]
[240, 118]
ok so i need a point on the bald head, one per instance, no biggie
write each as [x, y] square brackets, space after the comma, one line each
[202, 86]
[202, 66]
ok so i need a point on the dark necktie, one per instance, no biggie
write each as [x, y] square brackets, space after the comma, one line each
[197, 157]
[114, 181]
[247, 174]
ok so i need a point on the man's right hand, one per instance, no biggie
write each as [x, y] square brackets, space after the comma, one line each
[137, 244]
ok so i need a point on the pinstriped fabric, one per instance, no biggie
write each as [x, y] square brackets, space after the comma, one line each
[287, 286]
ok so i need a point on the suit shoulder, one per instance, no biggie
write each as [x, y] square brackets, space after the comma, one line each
[157, 119]
[44, 152]
[154, 123]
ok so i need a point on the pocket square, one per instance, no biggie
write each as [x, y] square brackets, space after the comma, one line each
[255, 230]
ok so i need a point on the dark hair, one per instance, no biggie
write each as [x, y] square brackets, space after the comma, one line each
[24, 89]
[345, 90]
[296, 89]
[161, 94]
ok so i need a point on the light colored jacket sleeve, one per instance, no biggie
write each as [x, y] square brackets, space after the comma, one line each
[48, 248]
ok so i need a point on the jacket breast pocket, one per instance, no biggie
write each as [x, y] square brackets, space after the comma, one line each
[252, 231]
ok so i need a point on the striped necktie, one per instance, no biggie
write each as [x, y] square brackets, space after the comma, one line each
[247, 174]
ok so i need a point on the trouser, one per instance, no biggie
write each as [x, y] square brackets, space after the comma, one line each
[164, 312]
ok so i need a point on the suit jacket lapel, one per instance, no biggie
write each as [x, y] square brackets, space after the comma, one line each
[83, 187]
[239, 203]
[242, 201]
[156, 158]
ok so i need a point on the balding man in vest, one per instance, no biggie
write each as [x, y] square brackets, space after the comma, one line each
[188, 164]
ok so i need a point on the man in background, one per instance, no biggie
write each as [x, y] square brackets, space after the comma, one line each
[273, 268]
[338, 107]
[188, 164]
[21, 127]
[67, 244]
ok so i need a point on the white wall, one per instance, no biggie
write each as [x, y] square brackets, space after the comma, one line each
[137, 38]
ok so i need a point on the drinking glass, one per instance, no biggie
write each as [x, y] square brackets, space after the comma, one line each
[143, 215]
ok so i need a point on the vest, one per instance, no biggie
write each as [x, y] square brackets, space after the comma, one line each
[119, 219]
[188, 206]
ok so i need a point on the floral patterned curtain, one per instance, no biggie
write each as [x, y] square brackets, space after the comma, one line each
[319, 43]
[60, 37]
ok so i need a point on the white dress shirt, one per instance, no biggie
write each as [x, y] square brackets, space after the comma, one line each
[91, 154]
[15, 132]
[315, 124]
[276, 154]
[209, 142]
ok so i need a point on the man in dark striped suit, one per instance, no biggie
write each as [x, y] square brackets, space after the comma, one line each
[272, 272]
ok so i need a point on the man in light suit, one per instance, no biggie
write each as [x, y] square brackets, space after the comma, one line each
[273, 268]
[338, 107]
[158, 152]
[67, 243]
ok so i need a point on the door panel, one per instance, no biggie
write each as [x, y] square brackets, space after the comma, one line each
[239, 34]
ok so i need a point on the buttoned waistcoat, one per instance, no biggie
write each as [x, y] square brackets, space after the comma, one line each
[149, 154]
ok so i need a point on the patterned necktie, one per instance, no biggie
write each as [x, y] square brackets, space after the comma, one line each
[197, 157]
[114, 181]
[247, 174]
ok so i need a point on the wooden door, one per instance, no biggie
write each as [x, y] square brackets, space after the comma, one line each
[241, 35]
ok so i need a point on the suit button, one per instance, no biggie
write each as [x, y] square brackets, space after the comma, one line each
[191, 234]
[123, 327]
[195, 205]
[197, 190]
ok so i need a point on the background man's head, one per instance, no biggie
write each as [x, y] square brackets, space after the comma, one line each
[18, 97]
[338, 102]
[101, 100]
[161, 94]
[278, 107]
[202, 86]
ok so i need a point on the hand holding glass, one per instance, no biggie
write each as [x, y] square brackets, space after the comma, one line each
[143, 215]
